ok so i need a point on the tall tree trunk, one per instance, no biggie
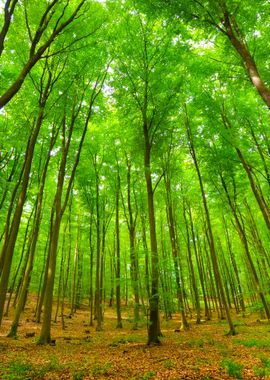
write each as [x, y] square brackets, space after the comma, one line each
[154, 327]
[65, 277]
[118, 263]
[98, 295]
[175, 250]
[258, 243]
[146, 255]
[212, 247]
[198, 254]
[192, 271]
[235, 268]
[11, 238]
[244, 240]
[32, 242]
[91, 262]
[134, 265]
[59, 207]
[248, 169]
[23, 257]
[42, 285]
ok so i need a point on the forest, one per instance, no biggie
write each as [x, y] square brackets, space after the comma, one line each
[134, 188]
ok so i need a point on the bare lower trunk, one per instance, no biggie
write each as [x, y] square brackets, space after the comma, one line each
[212, 247]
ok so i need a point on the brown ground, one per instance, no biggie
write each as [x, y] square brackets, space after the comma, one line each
[203, 352]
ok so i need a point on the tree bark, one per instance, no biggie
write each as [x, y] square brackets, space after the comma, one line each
[8, 12]
[134, 266]
[118, 263]
[9, 244]
[243, 238]
[238, 42]
[255, 187]
[175, 250]
[212, 247]
[153, 328]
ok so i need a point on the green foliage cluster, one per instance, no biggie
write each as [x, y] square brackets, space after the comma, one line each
[253, 342]
[146, 376]
[264, 369]
[234, 369]
[23, 370]
[102, 369]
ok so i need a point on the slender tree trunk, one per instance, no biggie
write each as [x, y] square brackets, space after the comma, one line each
[32, 244]
[261, 153]
[23, 258]
[61, 277]
[41, 291]
[235, 268]
[257, 238]
[74, 279]
[192, 271]
[11, 207]
[209, 227]
[243, 238]
[9, 244]
[198, 253]
[59, 209]
[78, 297]
[153, 328]
[118, 263]
[98, 295]
[146, 255]
[112, 272]
[10, 179]
[8, 13]
[175, 251]
[134, 266]
[165, 275]
[255, 187]
[45, 334]
[91, 292]
[67, 271]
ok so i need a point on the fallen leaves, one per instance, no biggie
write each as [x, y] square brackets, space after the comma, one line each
[203, 352]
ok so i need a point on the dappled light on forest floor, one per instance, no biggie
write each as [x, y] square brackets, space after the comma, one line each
[79, 352]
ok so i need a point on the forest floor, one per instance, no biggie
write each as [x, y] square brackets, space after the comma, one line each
[80, 352]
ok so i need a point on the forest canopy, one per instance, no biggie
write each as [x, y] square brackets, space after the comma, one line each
[134, 157]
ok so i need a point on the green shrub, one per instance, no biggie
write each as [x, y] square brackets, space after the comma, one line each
[169, 364]
[234, 369]
[102, 369]
[52, 365]
[18, 370]
[255, 343]
[196, 343]
[264, 369]
[78, 375]
[148, 375]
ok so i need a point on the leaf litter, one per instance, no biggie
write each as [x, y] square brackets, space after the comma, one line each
[80, 352]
